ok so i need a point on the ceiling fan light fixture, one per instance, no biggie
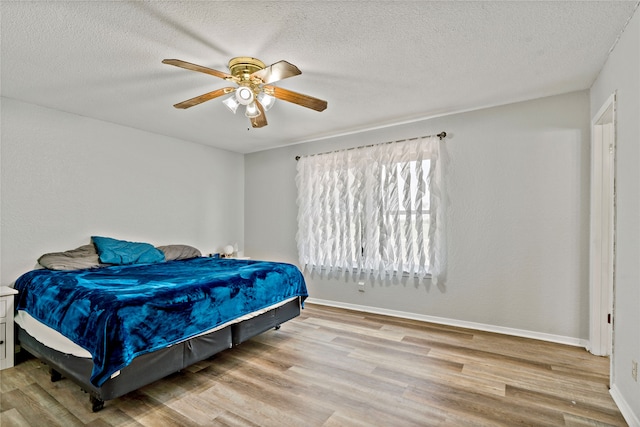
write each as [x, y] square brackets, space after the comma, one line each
[252, 110]
[231, 103]
[267, 101]
[244, 95]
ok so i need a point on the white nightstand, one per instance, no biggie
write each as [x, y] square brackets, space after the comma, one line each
[7, 347]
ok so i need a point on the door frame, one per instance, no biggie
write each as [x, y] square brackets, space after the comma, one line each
[602, 231]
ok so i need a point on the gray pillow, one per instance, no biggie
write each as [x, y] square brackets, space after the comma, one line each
[76, 259]
[173, 252]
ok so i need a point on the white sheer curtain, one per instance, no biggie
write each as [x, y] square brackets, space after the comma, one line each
[375, 210]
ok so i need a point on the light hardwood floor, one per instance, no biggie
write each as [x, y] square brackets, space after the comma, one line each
[334, 367]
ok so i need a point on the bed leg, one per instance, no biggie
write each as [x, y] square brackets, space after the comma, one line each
[96, 403]
[277, 327]
[54, 375]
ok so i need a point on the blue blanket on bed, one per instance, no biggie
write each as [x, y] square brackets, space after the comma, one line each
[120, 312]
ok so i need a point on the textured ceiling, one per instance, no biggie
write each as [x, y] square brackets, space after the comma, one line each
[376, 63]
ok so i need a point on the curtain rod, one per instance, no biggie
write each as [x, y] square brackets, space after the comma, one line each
[441, 135]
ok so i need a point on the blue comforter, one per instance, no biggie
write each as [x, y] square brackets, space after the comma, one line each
[120, 312]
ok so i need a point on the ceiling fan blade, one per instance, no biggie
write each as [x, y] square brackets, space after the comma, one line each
[206, 97]
[296, 98]
[194, 67]
[261, 120]
[277, 71]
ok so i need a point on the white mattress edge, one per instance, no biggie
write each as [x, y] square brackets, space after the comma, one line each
[55, 340]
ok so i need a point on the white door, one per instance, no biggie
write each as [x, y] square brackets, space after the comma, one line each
[602, 239]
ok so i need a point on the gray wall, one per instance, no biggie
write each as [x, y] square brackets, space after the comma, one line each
[621, 74]
[518, 218]
[67, 177]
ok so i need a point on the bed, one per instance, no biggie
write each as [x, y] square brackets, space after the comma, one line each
[113, 328]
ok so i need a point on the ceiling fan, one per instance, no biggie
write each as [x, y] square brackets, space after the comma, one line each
[254, 89]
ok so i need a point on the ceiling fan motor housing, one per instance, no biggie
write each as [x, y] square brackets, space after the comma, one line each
[243, 66]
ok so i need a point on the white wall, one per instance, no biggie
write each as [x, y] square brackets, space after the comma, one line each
[67, 177]
[518, 218]
[621, 74]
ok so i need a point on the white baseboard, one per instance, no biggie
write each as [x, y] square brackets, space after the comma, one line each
[631, 418]
[576, 342]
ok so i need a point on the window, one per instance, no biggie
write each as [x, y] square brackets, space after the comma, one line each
[417, 210]
[372, 210]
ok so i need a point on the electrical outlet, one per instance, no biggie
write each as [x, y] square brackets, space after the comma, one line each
[634, 370]
[360, 286]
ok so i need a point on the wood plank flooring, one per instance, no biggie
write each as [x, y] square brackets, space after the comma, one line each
[335, 367]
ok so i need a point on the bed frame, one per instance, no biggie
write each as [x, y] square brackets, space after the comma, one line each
[153, 366]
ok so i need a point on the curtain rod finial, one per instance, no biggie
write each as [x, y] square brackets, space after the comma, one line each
[297, 158]
[441, 135]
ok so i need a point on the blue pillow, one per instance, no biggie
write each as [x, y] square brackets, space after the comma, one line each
[121, 252]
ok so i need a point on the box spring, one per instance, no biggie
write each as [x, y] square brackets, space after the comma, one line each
[249, 328]
[151, 367]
